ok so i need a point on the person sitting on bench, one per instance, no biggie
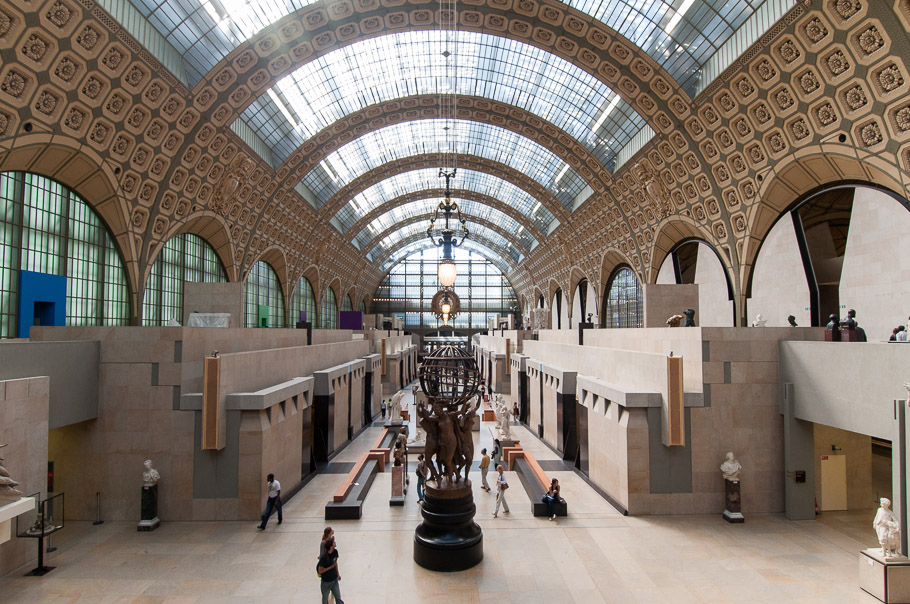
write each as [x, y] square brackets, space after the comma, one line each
[552, 498]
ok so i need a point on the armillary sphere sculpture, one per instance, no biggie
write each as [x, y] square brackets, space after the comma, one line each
[448, 539]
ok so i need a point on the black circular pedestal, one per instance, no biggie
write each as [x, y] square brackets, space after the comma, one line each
[448, 539]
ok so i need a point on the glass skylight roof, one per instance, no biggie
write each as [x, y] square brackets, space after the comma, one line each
[425, 208]
[417, 241]
[205, 32]
[458, 253]
[428, 178]
[411, 63]
[409, 139]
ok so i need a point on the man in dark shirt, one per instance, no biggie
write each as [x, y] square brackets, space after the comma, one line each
[328, 571]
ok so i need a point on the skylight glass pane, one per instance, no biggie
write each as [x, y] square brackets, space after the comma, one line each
[411, 63]
[408, 139]
[420, 180]
[205, 32]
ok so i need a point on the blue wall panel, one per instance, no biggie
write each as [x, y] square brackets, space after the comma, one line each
[42, 296]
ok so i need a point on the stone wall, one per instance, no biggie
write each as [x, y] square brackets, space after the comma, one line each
[23, 427]
[144, 372]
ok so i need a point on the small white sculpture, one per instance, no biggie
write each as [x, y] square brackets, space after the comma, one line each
[395, 408]
[505, 425]
[8, 492]
[887, 528]
[731, 468]
[759, 321]
[150, 476]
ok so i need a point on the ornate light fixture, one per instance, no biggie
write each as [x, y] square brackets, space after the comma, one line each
[447, 238]
[446, 305]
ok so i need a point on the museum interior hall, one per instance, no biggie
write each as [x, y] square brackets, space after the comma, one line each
[651, 257]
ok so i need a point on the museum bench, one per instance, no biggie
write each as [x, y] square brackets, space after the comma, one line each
[347, 502]
[535, 481]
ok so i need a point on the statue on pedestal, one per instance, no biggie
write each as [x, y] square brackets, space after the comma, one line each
[395, 408]
[887, 528]
[149, 510]
[731, 470]
[8, 492]
[759, 321]
[448, 539]
[504, 424]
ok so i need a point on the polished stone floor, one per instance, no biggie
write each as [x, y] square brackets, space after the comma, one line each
[594, 555]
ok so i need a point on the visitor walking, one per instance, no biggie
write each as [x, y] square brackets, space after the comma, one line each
[382, 408]
[515, 412]
[273, 502]
[421, 476]
[501, 486]
[497, 453]
[327, 534]
[330, 575]
[484, 469]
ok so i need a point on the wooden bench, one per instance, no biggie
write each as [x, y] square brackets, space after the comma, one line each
[534, 479]
[380, 445]
[347, 501]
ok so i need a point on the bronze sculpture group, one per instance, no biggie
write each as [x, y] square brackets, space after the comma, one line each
[448, 440]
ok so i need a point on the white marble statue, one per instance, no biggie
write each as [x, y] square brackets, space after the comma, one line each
[731, 468]
[8, 491]
[759, 321]
[150, 476]
[505, 426]
[887, 528]
[395, 408]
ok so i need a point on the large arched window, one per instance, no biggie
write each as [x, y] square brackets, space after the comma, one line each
[185, 257]
[347, 304]
[363, 307]
[263, 289]
[46, 228]
[303, 299]
[408, 290]
[622, 300]
[328, 314]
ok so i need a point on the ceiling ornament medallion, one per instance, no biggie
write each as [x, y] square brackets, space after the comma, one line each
[230, 187]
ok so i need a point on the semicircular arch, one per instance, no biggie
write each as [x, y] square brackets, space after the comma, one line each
[468, 194]
[425, 218]
[512, 118]
[213, 229]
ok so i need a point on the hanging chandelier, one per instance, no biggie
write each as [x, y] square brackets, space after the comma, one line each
[446, 305]
[448, 236]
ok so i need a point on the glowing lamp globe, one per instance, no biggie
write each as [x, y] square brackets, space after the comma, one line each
[447, 273]
[446, 307]
[445, 318]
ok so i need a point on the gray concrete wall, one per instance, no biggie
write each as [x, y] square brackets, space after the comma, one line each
[846, 385]
[73, 368]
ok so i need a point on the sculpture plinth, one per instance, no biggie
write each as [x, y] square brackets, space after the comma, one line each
[448, 539]
[733, 510]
